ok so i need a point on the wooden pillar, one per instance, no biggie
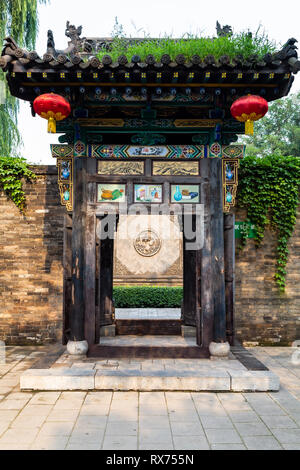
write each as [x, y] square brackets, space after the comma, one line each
[82, 321]
[67, 278]
[189, 303]
[229, 258]
[204, 280]
[204, 292]
[217, 253]
[78, 241]
[90, 275]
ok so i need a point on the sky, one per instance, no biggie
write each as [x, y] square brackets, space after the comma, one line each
[153, 18]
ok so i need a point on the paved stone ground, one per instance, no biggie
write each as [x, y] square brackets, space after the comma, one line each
[148, 313]
[149, 420]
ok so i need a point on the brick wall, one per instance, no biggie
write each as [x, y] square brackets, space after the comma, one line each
[31, 275]
[30, 263]
[262, 314]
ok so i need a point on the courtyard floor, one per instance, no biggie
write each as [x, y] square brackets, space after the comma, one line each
[149, 420]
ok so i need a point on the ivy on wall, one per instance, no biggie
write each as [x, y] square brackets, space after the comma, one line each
[269, 190]
[13, 171]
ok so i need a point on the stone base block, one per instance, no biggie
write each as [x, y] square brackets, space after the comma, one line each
[219, 350]
[77, 348]
[108, 330]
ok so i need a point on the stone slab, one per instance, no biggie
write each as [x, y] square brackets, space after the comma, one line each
[180, 376]
[58, 379]
[254, 381]
[147, 381]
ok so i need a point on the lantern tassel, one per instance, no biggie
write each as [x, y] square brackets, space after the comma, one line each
[51, 125]
[249, 127]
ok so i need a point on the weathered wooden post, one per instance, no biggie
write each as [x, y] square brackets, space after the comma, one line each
[67, 277]
[219, 346]
[204, 293]
[77, 343]
[229, 249]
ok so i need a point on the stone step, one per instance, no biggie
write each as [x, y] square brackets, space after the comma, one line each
[147, 352]
[148, 347]
[158, 378]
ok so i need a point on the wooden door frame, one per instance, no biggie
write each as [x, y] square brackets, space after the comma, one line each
[210, 316]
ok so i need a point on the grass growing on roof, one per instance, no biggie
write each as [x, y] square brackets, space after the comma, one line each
[244, 44]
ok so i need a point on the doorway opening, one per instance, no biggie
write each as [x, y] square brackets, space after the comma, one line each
[147, 284]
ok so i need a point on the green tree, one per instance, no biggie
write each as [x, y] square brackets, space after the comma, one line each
[278, 133]
[18, 18]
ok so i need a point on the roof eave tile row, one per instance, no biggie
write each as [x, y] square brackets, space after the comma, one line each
[21, 60]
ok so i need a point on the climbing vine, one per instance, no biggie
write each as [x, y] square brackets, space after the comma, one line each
[269, 190]
[13, 171]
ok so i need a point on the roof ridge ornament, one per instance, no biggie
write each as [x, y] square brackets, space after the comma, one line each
[75, 45]
[73, 33]
[289, 52]
[10, 42]
[223, 31]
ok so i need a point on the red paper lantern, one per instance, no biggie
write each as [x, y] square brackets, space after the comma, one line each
[248, 109]
[52, 107]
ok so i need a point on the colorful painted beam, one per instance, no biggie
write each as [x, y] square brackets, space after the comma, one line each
[150, 151]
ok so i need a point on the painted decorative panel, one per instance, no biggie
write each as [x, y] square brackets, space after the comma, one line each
[58, 150]
[102, 122]
[230, 155]
[230, 182]
[196, 122]
[120, 168]
[111, 192]
[65, 181]
[161, 151]
[185, 193]
[233, 151]
[175, 168]
[79, 149]
[147, 193]
[152, 151]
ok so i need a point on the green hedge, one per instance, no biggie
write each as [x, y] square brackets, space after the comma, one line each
[147, 296]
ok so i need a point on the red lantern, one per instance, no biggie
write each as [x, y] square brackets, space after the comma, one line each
[52, 107]
[248, 109]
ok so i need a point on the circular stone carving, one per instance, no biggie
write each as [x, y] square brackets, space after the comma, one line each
[147, 243]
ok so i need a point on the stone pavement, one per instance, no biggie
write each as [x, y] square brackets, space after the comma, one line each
[149, 420]
[148, 313]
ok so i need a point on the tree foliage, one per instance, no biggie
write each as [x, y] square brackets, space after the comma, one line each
[18, 18]
[278, 133]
